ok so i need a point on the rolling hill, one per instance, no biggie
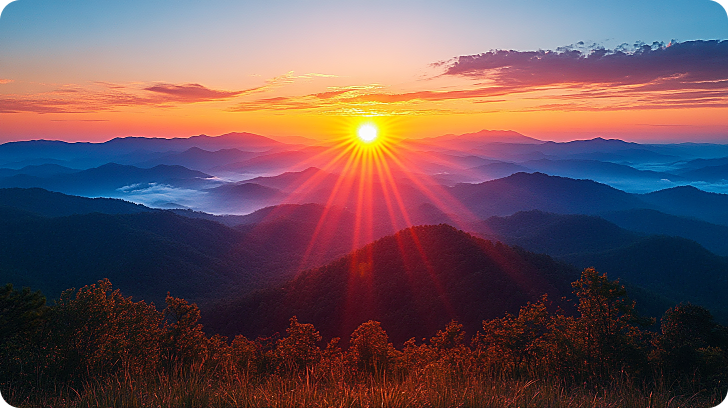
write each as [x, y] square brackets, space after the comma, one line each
[556, 234]
[51, 204]
[50, 241]
[105, 179]
[413, 282]
[712, 236]
[689, 201]
[676, 268]
[524, 191]
[199, 159]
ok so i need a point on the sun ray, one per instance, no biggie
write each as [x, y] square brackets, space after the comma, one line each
[376, 183]
[437, 199]
[329, 202]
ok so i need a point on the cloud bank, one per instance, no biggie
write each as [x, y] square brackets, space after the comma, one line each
[580, 77]
[677, 75]
[577, 77]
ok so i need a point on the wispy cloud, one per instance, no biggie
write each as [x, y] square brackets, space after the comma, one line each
[190, 93]
[102, 96]
[333, 97]
[72, 99]
[105, 96]
[579, 77]
[576, 77]
[5, 81]
[375, 100]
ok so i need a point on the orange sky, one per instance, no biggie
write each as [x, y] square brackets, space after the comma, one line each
[91, 71]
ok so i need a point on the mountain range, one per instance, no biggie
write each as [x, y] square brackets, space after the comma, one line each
[463, 227]
[147, 252]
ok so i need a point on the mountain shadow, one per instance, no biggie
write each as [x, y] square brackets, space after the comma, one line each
[145, 254]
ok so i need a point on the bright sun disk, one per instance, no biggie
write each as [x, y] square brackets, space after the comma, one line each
[367, 133]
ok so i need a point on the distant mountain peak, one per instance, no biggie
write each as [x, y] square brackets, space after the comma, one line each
[312, 169]
[112, 165]
[536, 175]
[491, 136]
[196, 150]
[686, 189]
[538, 178]
[683, 188]
[600, 141]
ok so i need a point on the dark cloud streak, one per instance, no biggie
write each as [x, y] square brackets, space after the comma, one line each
[691, 62]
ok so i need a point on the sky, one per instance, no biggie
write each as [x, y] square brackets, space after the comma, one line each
[89, 70]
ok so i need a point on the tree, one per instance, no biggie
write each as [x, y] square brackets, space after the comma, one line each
[298, 350]
[450, 338]
[185, 343]
[608, 329]
[20, 311]
[370, 350]
[691, 341]
[245, 355]
[448, 345]
[516, 343]
[96, 331]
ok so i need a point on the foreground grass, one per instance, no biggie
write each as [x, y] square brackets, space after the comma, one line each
[413, 391]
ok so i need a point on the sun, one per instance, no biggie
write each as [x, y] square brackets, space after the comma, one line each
[367, 133]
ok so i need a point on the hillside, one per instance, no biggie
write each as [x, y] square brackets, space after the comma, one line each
[145, 254]
[52, 242]
[106, 179]
[660, 270]
[690, 202]
[676, 268]
[523, 191]
[712, 236]
[413, 282]
[51, 204]
[556, 234]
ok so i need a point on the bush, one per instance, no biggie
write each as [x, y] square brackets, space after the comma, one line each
[370, 350]
[298, 350]
[95, 332]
